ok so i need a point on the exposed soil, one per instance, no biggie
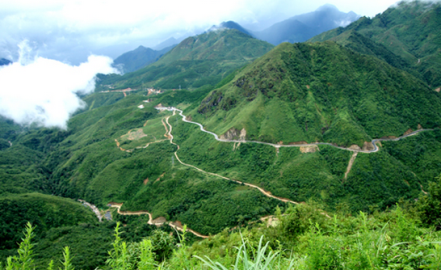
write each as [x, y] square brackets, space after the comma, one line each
[408, 132]
[351, 162]
[309, 149]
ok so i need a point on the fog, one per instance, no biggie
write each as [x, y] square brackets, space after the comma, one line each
[44, 91]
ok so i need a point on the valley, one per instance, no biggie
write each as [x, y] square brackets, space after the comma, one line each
[225, 150]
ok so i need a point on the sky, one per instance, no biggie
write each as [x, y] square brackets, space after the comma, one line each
[70, 31]
[59, 46]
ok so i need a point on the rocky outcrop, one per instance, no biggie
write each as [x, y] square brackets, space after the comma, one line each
[354, 147]
[234, 134]
[368, 146]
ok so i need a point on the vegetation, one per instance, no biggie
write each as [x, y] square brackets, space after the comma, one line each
[409, 30]
[382, 213]
[138, 58]
[303, 238]
[197, 61]
[319, 92]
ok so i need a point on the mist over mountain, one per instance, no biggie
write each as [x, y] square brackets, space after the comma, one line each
[410, 30]
[197, 61]
[230, 25]
[138, 58]
[167, 43]
[303, 27]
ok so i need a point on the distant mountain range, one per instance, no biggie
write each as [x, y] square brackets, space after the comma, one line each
[303, 27]
[4, 62]
[411, 31]
[196, 61]
[296, 29]
[139, 58]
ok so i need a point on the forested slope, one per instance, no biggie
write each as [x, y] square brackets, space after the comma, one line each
[320, 92]
[410, 30]
[197, 61]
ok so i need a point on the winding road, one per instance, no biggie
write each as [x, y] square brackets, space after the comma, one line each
[176, 225]
[374, 141]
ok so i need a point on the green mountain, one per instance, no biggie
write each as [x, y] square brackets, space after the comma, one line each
[138, 58]
[195, 62]
[409, 30]
[320, 92]
[305, 26]
[43, 211]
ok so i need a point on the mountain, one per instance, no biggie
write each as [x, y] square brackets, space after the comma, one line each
[409, 30]
[4, 62]
[166, 43]
[138, 58]
[230, 25]
[320, 92]
[303, 27]
[196, 61]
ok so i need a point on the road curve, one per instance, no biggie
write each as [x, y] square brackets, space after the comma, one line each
[264, 192]
[374, 141]
[176, 225]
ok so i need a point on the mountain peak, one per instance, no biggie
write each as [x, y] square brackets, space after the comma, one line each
[327, 7]
[230, 25]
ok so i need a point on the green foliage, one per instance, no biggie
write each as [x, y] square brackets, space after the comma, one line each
[430, 205]
[388, 240]
[409, 30]
[197, 61]
[162, 244]
[67, 264]
[319, 92]
[258, 260]
[24, 261]
[43, 211]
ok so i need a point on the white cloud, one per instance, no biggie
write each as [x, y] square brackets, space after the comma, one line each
[43, 91]
[71, 30]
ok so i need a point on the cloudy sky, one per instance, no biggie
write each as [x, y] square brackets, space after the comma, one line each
[70, 31]
[54, 43]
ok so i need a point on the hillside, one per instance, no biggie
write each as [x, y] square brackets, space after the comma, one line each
[196, 61]
[138, 58]
[409, 30]
[305, 26]
[320, 92]
[43, 211]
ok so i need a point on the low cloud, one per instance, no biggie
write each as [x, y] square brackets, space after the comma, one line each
[44, 91]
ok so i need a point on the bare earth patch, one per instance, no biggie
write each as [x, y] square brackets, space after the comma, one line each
[438, 89]
[408, 132]
[309, 149]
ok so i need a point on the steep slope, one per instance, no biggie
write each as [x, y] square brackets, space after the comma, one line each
[319, 92]
[138, 58]
[196, 61]
[234, 25]
[43, 211]
[353, 40]
[410, 30]
[302, 27]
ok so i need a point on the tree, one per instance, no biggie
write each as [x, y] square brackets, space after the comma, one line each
[430, 205]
